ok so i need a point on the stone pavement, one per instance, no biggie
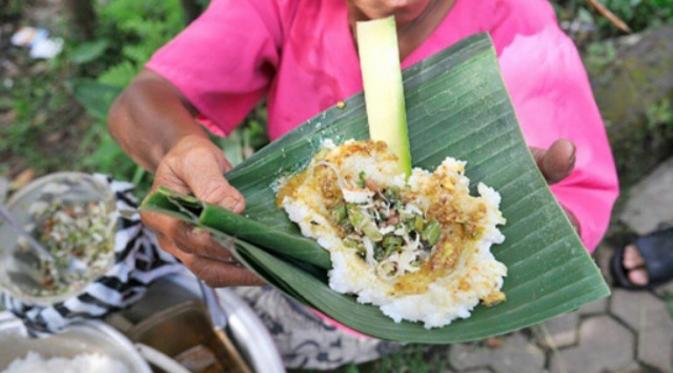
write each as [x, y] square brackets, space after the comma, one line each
[652, 205]
[628, 332]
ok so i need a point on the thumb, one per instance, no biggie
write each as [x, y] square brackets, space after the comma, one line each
[557, 162]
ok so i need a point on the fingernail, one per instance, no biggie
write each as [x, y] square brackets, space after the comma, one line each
[238, 204]
[199, 233]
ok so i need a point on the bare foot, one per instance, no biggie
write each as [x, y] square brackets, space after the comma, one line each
[634, 264]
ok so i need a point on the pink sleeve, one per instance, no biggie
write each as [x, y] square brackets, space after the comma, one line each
[552, 97]
[224, 60]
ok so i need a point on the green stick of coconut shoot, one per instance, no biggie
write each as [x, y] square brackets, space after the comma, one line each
[384, 92]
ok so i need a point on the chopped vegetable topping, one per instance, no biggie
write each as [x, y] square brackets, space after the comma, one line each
[383, 221]
[339, 213]
[431, 232]
[361, 179]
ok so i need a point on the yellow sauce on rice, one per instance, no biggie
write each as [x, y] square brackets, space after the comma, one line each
[433, 279]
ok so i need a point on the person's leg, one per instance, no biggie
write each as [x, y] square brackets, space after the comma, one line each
[303, 339]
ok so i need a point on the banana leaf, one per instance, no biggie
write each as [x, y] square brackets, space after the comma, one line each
[457, 106]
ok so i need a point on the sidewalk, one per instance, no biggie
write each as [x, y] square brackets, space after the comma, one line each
[627, 332]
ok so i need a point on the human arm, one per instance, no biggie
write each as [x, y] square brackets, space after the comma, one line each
[218, 67]
[150, 117]
[155, 126]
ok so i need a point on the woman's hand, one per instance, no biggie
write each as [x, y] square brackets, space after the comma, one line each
[195, 165]
[155, 125]
[556, 163]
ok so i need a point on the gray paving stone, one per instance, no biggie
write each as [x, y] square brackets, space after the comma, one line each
[599, 306]
[559, 332]
[604, 344]
[634, 367]
[665, 289]
[649, 316]
[602, 257]
[652, 204]
[629, 305]
[516, 355]
[469, 355]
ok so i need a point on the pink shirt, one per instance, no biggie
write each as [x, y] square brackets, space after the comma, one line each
[300, 55]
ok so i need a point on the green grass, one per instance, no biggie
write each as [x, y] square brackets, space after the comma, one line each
[409, 359]
[412, 359]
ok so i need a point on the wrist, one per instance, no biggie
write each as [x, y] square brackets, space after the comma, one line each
[195, 142]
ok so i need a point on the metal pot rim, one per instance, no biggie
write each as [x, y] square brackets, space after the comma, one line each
[245, 327]
[98, 330]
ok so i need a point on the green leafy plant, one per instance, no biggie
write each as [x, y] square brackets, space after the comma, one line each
[37, 115]
[131, 31]
[660, 114]
[128, 33]
[599, 54]
[89, 51]
[410, 359]
[638, 15]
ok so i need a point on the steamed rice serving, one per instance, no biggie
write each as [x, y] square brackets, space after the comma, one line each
[33, 362]
[417, 247]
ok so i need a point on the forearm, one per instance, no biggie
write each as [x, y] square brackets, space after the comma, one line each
[149, 118]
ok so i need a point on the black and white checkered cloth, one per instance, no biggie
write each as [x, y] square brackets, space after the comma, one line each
[138, 262]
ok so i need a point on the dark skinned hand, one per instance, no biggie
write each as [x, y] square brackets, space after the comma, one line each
[556, 163]
[195, 165]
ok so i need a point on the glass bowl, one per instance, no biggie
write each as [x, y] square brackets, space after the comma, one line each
[21, 275]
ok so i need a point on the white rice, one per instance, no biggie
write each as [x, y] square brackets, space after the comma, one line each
[82, 363]
[446, 298]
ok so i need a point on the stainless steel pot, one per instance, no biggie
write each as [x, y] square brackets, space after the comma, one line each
[243, 326]
[84, 337]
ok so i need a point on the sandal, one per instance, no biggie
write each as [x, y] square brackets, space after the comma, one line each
[656, 249]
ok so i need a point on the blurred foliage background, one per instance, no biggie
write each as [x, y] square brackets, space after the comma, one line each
[53, 112]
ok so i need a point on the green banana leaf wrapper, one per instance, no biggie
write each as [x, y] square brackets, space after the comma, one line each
[457, 106]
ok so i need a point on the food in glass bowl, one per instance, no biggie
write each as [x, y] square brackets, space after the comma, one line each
[73, 216]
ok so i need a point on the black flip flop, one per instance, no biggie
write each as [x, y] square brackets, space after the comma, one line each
[656, 249]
